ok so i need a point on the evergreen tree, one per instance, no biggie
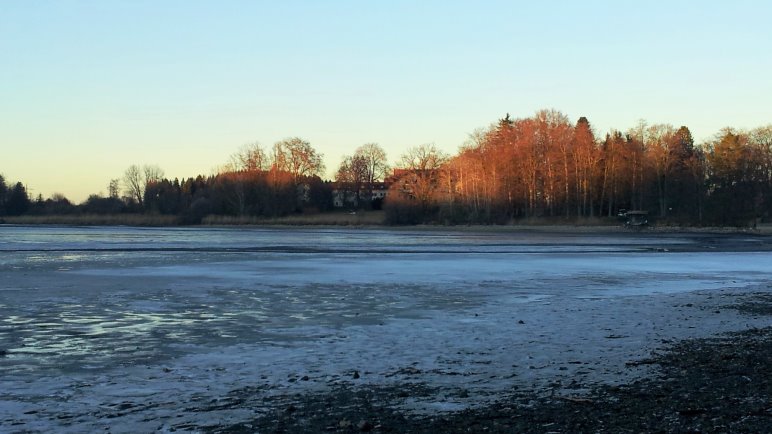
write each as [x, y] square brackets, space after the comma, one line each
[3, 194]
[18, 201]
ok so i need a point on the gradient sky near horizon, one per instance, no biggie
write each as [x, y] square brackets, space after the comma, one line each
[89, 87]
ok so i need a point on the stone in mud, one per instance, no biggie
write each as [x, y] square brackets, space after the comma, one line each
[364, 426]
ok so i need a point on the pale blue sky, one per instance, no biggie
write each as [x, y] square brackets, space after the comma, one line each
[90, 87]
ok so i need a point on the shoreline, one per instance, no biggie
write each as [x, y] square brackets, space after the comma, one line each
[721, 383]
[718, 384]
[152, 222]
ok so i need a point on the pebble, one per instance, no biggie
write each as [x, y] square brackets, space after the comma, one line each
[364, 426]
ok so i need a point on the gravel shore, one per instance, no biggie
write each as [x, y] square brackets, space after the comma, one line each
[717, 384]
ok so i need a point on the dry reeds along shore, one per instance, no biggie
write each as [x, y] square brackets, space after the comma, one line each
[370, 218]
[366, 218]
[95, 220]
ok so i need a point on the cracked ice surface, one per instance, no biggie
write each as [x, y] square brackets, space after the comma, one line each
[146, 329]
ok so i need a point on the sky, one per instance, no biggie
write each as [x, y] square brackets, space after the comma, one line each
[89, 87]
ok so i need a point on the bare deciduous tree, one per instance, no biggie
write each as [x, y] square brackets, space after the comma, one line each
[374, 158]
[298, 158]
[152, 172]
[351, 176]
[113, 189]
[376, 167]
[135, 180]
[424, 157]
[132, 182]
[250, 157]
[423, 164]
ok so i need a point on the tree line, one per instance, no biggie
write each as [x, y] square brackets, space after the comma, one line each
[545, 167]
[14, 200]
[539, 167]
[254, 182]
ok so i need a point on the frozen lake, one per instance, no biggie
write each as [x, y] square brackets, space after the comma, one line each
[153, 329]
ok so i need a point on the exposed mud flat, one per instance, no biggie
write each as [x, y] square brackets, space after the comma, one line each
[141, 330]
[719, 384]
